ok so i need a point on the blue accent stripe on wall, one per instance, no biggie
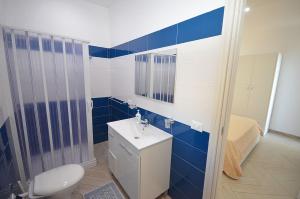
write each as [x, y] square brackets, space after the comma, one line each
[163, 38]
[200, 27]
[95, 51]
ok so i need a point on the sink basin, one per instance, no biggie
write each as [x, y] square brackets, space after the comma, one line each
[138, 135]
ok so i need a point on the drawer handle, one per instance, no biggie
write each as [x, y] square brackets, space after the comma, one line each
[127, 150]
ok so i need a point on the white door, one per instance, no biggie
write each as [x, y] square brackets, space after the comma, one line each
[253, 87]
[261, 87]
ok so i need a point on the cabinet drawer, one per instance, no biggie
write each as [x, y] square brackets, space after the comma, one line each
[128, 146]
[112, 141]
[112, 162]
[128, 171]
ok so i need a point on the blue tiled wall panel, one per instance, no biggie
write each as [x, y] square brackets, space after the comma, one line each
[162, 38]
[138, 45]
[95, 51]
[175, 193]
[100, 102]
[122, 50]
[194, 138]
[7, 169]
[189, 151]
[101, 115]
[185, 187]
[200, 27]
[191, 173]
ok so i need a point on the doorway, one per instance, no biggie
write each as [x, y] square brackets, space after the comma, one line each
[261, 151]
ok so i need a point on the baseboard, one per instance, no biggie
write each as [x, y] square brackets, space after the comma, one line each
[89, 164]
[284, 134]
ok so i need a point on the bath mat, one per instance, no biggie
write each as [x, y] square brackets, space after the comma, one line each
[107, 191]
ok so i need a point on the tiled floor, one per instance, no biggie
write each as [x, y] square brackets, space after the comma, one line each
[99, 175]
[272, 171]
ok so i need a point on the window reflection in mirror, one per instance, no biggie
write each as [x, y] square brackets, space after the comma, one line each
[155, 75]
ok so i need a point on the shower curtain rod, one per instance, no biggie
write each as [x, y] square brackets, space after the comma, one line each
[42, 33]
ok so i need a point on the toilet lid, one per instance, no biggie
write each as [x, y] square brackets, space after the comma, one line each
[57, 179]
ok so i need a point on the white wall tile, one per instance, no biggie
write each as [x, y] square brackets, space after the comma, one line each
[100, 77]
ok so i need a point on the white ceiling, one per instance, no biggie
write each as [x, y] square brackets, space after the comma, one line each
[273, 13]
[103, 3]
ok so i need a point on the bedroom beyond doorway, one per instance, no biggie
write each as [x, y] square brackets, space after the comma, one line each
[262, 141]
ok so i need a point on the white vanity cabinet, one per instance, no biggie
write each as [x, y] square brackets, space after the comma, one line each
[142, 166]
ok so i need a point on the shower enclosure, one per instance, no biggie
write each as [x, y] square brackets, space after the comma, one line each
[50, 95]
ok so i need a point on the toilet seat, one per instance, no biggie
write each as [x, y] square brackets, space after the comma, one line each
[56, 180]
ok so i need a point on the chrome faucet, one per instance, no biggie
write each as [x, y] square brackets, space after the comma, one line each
[145, 122]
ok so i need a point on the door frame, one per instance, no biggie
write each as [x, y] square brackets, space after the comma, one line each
[273, 93]
[232, 24]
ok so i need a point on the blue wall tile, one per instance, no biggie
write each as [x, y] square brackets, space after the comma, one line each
[100, 116]
[100, 120]
[190, 154]
[122, 50]
[162, 38]
[100, 137]
[176, 194]
[202, 26]
[111, 52]
[100, 111]
[8, 173]
[99, 128]
[195, 138]
[4, 136]
[138, 45]
[95, 51]
[188, 189]
[190, 173]
[101, 101]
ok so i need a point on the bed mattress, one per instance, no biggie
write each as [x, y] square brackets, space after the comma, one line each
[243, 135]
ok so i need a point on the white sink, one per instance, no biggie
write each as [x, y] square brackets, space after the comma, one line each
[138, 135]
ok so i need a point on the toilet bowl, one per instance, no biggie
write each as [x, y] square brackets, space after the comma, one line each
[58, 183]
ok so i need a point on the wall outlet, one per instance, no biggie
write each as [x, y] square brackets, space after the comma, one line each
[198, 126]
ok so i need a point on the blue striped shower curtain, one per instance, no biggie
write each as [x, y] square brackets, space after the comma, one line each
[47, 84]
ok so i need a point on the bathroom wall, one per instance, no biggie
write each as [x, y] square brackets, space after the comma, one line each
[77, 19]
[197, 78]
[198, 61]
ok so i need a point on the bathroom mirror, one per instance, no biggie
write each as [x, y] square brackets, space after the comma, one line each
[155, 75]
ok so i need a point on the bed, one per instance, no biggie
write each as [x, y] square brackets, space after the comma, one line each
[243, 135]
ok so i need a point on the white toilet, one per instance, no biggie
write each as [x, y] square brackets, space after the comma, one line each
[58, 183]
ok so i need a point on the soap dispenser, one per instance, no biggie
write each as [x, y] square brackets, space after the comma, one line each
[138, 116]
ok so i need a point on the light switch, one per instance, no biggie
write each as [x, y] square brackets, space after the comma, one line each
[198, 126]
